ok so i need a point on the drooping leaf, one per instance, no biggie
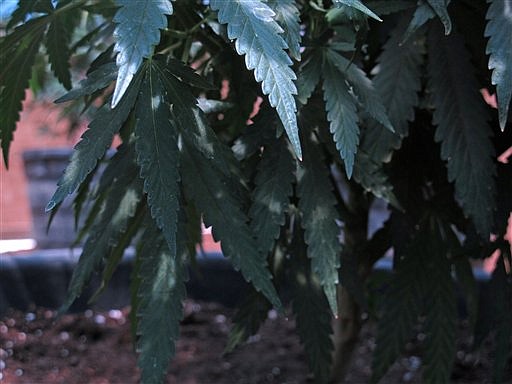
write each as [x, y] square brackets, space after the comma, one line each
[105, 233]
[117, 252]
[398, 81]
[341, 111]
[317, 205]
[96, 80]
[440, 8]
[17, 58]
[287, 15]
[187, 74]
[441, 314]
[250, 315]
[499, 31]
[26, 8]
[157, 154]
[462, 129]
[309, 76]
[313, 317]
[357, 4]
[272, 193]
[363, 89]
[94, 143]
[401, 308]
[137, 32]
[258, 36]
[58, 39]
[207, 186]
[161, 291]
[422, 14]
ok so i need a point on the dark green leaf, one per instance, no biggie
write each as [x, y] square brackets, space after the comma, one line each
[341, 111]
[357, 4]
[462, 129]
[96, 80]
[499, 31]
[58, 39]
[363, 89]
[157, 154]
[250, 315]
[317, 204]
[440, 8]
[287, 15]
[187, 74]
[309, 76]
[313, 318]
[423, 13]
[17, 60]
[386, 7]
[108, 229]
[161, 291]
[137, 32]
[272, 193]
[222, 210]
[258, 36]
[441, 314]
[28, 7]
[95, 141]
[402, 304]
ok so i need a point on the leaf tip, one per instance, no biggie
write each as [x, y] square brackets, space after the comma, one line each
[51, 204]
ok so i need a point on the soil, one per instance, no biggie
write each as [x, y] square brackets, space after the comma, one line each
[96, 348]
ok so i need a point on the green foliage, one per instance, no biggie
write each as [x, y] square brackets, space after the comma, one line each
[137, 32]
[161, 292]
[258, 36]
[341, 111]
[499, 30]
[313, 318]
[319, 220]
[250, 315]
[156, 142]
[17, 57]
[357, 5]
[272, 193]
[396, 104]
[460, 116]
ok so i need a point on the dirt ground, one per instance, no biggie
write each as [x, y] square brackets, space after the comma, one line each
[95, 347]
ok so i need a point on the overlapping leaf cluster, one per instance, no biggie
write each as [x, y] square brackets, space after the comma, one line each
[361, 101]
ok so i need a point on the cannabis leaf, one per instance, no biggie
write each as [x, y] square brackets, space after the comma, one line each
[309, 76]
[401, 308]
[319, 221]
[58, 39]
[208, 188]
[499, 31]
[94, 142]
[96, 80]
[440, 8]
[462, 129]
[341, 111]
[109, 227]
[17, 55]
[252, 312]
[161, 291]
[398, 81]
[157, 154]
[441, 309]
[313, 323]
[258, 36]
[272, 193]
[287, 15]
[137, 32]
[357, 4]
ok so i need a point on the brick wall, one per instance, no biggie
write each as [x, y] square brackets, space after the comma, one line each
[41, 126]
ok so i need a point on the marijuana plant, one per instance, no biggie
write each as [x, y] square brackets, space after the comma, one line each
[359, 102]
